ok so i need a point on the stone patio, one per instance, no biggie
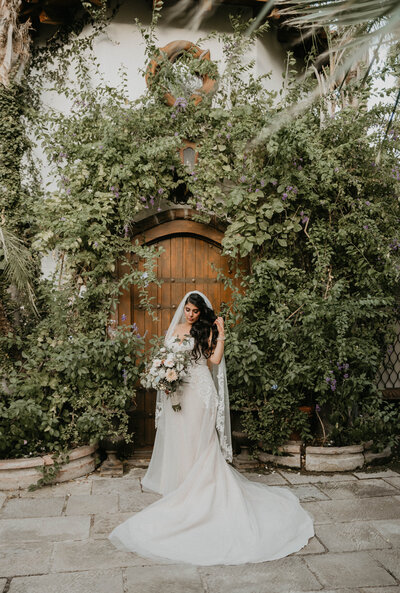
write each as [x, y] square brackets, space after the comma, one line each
[55, 540]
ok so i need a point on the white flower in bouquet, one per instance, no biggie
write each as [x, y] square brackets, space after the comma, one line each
[171, 375]
[166, 372]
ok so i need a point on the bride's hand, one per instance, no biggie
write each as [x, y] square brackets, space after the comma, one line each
[219, 322]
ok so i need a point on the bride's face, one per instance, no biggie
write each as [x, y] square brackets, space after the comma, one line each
[192, 313]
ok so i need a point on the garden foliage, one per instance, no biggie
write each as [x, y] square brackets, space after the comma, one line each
[312, 201]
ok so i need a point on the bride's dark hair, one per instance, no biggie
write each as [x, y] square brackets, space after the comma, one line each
[200, 330]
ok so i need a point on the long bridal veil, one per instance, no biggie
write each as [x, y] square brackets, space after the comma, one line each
[223, 421]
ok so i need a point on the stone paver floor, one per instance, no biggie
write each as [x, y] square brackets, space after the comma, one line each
[54, 540]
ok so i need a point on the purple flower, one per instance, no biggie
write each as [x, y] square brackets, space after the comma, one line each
[143, 198]
[274, 182]
[284, 196]
[228, 136]
[229, 124]
[95, 244]
[160, 191]
[126, 229]
[366, 227]
[346, 376]
[181, 103]
[63, 218]
[368, 203]
[123, 317]
[317, 408]
[176, 134]
[262, 182]
[243, 178]
[68, 191]
[198, 205]
[173, 116]
[124, 375]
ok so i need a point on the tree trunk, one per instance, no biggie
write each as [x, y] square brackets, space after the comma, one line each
[14, 43]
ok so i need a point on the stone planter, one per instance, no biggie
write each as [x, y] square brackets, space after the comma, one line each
[334, 459]
[20, 473]
[291, 455]
[371, 457]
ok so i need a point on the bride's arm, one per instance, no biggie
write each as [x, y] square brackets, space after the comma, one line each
[218, 352]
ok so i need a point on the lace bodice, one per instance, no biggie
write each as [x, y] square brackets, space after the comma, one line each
[176, 345]
[186, 344]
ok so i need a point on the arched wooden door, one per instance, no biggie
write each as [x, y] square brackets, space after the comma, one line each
[190, 260]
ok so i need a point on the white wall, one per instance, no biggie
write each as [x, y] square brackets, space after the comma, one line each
[121, 45]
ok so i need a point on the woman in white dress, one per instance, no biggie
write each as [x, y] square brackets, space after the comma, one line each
[209, 512]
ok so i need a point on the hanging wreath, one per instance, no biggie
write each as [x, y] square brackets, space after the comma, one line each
[173, 51]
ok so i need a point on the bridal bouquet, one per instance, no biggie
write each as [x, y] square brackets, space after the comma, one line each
[166, 372]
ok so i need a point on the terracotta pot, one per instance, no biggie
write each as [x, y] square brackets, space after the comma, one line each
[24, 471]
[295, 435]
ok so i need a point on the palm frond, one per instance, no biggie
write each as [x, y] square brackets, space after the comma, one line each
[18, 265]
[354, 27]
[340, 13]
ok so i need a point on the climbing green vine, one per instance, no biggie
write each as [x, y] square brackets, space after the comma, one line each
[308, 202]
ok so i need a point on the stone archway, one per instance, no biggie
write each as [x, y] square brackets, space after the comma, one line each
[190, 260]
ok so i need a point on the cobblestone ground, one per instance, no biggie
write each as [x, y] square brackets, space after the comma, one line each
[54, 540]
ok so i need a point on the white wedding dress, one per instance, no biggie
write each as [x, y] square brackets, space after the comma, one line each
[209, 513]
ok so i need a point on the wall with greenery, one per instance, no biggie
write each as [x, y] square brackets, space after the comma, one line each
[306, 198]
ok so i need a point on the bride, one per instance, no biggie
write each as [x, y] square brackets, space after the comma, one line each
[209, 513]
